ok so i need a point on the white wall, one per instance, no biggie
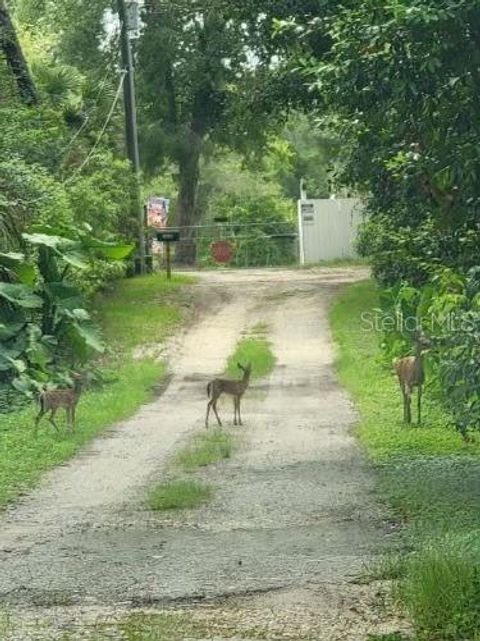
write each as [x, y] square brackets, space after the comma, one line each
[328, 229]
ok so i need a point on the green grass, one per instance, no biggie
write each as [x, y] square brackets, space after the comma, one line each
[142, 310]
[206, 449]
[178, 494]
[429, 476]
[255, 348]
[128, 384]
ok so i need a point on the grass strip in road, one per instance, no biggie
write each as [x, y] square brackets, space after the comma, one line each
[178, 494]
[429, 476]
[254, 348]
[144, 309]
[206, 449]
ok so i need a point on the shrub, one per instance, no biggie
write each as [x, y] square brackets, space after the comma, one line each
[442, 591]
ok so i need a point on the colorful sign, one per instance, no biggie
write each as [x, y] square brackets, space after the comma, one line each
[157, 212]
[157, 218]
[222, 251]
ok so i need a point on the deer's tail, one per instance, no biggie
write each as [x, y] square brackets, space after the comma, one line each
[209, 390]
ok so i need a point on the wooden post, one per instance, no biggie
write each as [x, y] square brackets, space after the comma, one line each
[168, 236]
[169, 262]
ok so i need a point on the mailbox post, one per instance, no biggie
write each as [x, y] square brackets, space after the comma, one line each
[168, 236]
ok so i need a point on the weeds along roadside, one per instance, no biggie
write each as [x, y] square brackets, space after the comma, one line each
[183, 490]
[138, 313]
[429, 477]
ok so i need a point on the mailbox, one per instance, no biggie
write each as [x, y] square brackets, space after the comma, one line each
[168, 236]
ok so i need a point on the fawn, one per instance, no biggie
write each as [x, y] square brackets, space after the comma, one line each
[220, 386]
[411, 373]
[52, 400]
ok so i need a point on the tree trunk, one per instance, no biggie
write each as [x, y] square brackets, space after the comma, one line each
[12, 50]
[187, 213]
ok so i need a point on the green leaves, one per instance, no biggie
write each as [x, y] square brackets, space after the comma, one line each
[43, 319]
[20, 295]
[15, 264]
[111, 251]
[68, 250]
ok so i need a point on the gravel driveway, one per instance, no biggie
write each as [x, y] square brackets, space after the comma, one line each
[294, 518]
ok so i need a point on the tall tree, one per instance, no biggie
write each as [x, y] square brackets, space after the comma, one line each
[193, 57]
[15, 59]
[216, 71]
[403, 85]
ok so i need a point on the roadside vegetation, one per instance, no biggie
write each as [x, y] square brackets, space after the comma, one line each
[122, 384]
[429, 475]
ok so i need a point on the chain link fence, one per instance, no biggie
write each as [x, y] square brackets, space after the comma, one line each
[257, 244]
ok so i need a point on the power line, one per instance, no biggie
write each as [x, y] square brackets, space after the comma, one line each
[103, 84]
[123, 73]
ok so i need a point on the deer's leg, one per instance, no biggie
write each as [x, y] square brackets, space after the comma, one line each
[38, 418]
[209, 405]
[51, 418]
[71, 418]
[419, 404]
[74, 417]
[214, 406]
[239, 402]
[404, 397]
[408, 404]
[235, 406]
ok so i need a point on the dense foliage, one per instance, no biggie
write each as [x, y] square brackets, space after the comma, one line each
[400, 86]
[64, 209]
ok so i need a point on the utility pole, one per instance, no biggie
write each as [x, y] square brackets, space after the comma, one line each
[131, 126]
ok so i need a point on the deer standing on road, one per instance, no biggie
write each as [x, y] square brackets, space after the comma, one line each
[411, 373]
[52, 400]
[220, 386]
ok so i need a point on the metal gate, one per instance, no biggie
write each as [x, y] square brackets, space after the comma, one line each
[256, 244]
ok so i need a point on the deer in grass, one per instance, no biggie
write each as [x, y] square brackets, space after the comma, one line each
[411, 373]
[52, 400]
[220, 386]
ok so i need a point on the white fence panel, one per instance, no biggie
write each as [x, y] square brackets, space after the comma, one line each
[328, 229]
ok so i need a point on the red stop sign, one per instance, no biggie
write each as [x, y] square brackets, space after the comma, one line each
[222, 251]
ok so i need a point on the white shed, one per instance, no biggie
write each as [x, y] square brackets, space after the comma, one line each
[328, 229]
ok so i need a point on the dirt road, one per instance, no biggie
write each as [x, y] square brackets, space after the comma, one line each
[293, 519]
